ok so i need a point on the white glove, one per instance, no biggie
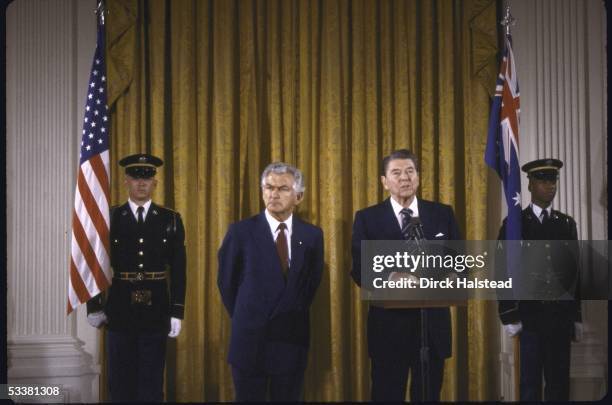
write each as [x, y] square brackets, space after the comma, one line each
[513, 329]
[97, 319]
[175, 327]
[578, 332]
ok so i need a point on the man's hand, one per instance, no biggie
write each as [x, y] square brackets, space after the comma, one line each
[97, 319]
[578, 332]
[513, 329]
[175, 327]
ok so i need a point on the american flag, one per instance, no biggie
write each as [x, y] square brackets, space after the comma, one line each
[90, 271]
[502, 153]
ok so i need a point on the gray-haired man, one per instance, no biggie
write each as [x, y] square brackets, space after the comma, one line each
[270, 266]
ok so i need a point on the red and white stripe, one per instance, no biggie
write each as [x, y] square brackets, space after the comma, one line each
[90, 269]
[511, 106]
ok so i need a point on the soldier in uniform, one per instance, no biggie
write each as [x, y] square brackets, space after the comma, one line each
[545, 327]
[142, 309]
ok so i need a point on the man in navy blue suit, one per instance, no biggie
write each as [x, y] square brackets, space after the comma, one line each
[394, 334]
[270, 266]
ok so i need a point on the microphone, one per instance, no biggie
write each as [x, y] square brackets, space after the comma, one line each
[416, 229]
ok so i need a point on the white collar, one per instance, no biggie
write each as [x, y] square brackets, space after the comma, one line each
[273, 222]
[537, 210]
[397, 207]
[134, 208]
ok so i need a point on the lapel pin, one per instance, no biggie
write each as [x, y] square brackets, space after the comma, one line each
[124, 212]
[299, 242]
[154, 212]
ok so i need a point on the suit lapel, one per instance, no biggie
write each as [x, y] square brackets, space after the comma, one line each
[263, 238]
[296, 268]
[390, 220]
[152, 217]
[426, 219]
[297, 246]
[126, 217]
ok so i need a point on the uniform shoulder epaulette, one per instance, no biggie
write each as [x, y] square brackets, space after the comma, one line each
[562, 216]
[168, 209]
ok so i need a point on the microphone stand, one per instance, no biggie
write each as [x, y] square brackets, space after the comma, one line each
[417, 236]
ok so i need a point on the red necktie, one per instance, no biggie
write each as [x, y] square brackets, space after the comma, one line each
[281, 247]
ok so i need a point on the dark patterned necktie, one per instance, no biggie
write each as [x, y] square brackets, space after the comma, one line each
[281, 247]
[406, 216]
[140, 212]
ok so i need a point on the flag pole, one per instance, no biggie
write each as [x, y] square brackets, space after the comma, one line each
[508, 22]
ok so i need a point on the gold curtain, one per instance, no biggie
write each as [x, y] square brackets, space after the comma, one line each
[218, 89]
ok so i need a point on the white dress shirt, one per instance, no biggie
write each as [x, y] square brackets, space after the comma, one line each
[273, 222]
[537, 210]
[397, 208]
[134, 208]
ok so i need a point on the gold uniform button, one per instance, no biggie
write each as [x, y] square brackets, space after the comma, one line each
[140, 266]
[141, 253]
[164, 240]
[141, 240]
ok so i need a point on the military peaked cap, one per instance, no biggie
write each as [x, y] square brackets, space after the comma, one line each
[141, 165]
[543, 169]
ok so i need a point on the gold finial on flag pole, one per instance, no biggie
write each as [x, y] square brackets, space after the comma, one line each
[508, 21]
[100, 11]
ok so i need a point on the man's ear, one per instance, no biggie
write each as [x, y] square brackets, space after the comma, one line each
[299, 197]
[383, 180]
[529, 186]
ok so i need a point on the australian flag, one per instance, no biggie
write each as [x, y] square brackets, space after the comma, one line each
[502, 153]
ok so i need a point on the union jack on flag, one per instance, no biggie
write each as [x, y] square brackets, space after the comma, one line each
[502, 153]
[90, 271]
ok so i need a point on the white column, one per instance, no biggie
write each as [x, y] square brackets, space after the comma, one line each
[559, 47]
[50, 45]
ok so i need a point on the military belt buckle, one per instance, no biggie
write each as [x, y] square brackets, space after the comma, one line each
[141, 297]
[140, 276]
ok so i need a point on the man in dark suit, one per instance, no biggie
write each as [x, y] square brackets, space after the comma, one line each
[394, 334]
[545, 327]
[270, 266]
[147, 247]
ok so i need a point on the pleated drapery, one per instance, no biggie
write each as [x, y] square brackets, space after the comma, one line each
[218, 89]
